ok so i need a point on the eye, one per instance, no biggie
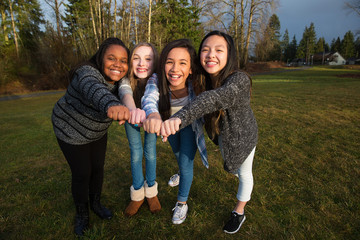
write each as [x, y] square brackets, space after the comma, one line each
[148, 59]
[204, 50]
[169, 62]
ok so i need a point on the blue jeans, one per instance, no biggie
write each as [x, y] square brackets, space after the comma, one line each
[183, 144]
[135, 144]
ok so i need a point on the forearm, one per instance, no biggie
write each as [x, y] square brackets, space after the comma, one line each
[128, 101]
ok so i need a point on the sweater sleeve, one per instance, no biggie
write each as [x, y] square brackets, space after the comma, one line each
[150, 100]
[93, 87]
[125, 88]
[235, 91]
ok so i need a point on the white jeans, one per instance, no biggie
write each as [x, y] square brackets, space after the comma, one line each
[246, 179]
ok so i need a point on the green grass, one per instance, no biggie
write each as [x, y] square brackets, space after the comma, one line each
[306, 170]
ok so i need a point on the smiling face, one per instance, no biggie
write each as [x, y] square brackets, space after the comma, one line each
[143, 61]
[115, 63]
[178, 67]
[213, 55]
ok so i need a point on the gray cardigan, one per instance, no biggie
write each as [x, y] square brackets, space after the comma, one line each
[238, 128]
[80, 116]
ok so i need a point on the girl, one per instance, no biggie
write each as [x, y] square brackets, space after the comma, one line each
[142, 64]
[228, 116]
[81, 119]
[177, 86]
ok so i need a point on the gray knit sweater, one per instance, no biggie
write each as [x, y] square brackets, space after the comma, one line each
[238, 128]
[80, 116]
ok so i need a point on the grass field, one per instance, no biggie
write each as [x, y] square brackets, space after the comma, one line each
[306, 170]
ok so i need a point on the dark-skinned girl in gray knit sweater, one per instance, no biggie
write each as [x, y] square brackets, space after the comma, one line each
[81, 119]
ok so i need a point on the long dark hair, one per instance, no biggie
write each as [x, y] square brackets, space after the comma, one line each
[212, 120]
[97, 60]
[164, 100]
[138, 91]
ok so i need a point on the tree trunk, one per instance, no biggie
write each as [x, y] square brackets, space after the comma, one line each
[93, 23]
[58, 19]
[149, 21]
[129, 26]
[136, 29]
[4, 28]
[115, 19]
[14, 29]
[249, 30]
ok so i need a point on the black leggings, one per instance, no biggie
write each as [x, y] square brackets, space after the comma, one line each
[87, 167]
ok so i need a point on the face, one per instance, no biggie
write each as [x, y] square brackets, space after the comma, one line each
[115, 63]
[142, 62]
[178, 67]
[213, 54]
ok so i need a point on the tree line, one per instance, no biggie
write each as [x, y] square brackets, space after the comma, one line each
[40, 52]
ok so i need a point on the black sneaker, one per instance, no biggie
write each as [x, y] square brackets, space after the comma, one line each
[234, 223]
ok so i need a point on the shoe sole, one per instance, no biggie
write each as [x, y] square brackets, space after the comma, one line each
[237, 228]
[179, 221]
[173, 185]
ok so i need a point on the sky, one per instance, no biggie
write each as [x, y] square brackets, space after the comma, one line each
[330, 18]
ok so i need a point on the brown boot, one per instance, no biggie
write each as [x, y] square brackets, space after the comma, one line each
[137, 199]
[151, 197]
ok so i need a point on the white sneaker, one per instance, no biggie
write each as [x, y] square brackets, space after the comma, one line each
[174, 180]
[180, 211]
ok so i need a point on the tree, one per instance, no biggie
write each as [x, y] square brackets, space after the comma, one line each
[285, 46]
[353, 5]
[274, 28]
[306, 47]
[347, 49]
[320, 45]
[335, 45]
[292, 49]
[242, 19]
[55, 5]
[175, 19]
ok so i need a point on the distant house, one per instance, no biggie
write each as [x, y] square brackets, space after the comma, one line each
[329, 58]
[353, 60]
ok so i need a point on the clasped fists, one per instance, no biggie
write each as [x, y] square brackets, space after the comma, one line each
[118, 113]
[170, 127]
[153, 123]
[137, 116]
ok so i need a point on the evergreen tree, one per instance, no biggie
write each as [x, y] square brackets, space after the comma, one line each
[306, 47]
[347, 45]
[357, 47]
[274, 34]
[335, 45]
[174, 19]
[320, 45]
[292, 49]
[285, 46]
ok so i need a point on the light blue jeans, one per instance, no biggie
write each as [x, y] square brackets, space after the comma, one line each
[137, 153]
[183, 144]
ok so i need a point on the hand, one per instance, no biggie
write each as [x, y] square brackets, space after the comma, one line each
[137, 116]
[153, 123]
[118, 113]
[170, 127]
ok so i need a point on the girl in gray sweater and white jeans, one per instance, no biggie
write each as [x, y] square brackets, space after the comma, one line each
[229, 119]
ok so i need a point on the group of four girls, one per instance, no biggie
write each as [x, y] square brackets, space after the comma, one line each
[173, 96]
